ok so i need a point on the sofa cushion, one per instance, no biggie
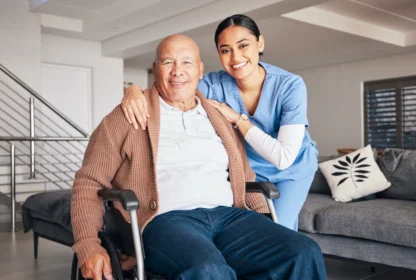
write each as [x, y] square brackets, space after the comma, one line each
[314, 203]
[319, 183]
[399, 167]
[354, 175]
[385, 220]
[367, 251]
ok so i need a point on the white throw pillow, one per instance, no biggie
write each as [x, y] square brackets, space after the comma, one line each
[354, 175]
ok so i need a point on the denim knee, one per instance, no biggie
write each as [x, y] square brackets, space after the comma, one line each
[315, 249]
[309, 259]
[208, 271]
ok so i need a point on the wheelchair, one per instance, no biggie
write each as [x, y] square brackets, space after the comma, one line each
[118, 236]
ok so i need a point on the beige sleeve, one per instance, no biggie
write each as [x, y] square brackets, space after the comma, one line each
[254, 201]
[101, 161]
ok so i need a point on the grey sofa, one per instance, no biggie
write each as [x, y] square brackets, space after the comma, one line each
[379, 230]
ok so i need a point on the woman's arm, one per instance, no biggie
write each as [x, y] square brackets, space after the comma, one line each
[281, 152]
[134, 107]
[134, 103]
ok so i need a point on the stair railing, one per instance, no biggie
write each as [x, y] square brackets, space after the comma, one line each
[35, 136]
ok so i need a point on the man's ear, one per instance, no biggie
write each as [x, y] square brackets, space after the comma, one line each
[201, 70]
[260, 43]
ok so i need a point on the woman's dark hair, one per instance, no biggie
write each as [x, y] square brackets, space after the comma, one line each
[237, 20]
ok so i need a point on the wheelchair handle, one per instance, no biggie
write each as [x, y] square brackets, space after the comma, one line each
[127, 198]
[130, 203]
[266, 188]
[269, 190]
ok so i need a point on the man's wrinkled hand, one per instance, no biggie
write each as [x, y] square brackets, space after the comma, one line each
[134, 107]
[98, 266]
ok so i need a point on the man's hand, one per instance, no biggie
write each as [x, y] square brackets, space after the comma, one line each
[98, 266]
[134, 106]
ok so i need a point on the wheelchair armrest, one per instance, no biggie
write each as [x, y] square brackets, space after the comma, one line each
[127, 198]
[266, 188]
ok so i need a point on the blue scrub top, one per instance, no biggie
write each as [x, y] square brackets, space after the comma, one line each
[283, 101]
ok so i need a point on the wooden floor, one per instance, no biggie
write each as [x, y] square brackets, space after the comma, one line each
[54, 262]
[17, 261]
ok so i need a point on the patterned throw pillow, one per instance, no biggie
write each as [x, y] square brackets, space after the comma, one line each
[354, 175]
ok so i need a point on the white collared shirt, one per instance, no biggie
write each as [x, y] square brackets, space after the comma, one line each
[192, 163]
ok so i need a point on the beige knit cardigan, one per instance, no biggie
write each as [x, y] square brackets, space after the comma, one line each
[120, 157]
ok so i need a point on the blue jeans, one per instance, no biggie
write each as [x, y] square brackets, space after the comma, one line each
[292, 197]
[228, 243]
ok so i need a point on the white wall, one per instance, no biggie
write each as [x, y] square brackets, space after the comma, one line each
[335, 98]
[20, 41]
[23, 49]
[136, 76]
[73, 82]
[107, 73]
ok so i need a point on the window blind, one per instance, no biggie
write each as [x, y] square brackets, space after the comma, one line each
[390, 113]
[409, 117]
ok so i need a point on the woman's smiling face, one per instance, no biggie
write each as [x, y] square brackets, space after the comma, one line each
[239, 50]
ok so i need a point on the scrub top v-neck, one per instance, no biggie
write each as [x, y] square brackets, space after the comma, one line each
[283, 101]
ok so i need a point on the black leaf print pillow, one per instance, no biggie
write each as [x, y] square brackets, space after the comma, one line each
[354, 175]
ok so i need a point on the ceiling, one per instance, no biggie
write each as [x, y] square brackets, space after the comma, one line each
[298, 34]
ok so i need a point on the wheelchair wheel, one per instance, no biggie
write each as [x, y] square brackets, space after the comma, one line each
[74, 268]
[115, 264]
[77, 275]
[75, 271]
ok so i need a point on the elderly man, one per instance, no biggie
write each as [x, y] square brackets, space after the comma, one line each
[189, 171]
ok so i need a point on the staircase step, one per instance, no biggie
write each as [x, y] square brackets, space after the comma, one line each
[6, 218]
[25, 186]
[21, 168]
[20, 179]
[4, 209]
[21, 197]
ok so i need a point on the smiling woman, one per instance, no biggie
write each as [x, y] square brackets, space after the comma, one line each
[265, 103]
[239, 51]
[250, 38]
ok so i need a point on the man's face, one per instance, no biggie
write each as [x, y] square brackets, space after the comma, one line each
[177, 70]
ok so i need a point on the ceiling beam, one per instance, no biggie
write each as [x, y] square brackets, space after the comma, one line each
[116, 20]
[62, 23]
[410, 39]
[35, 4]
[117, 10]
[141, 40]
[63, 9]
[320, 17]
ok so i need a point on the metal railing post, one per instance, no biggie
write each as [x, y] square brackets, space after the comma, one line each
[13, 186]
[32, 134]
